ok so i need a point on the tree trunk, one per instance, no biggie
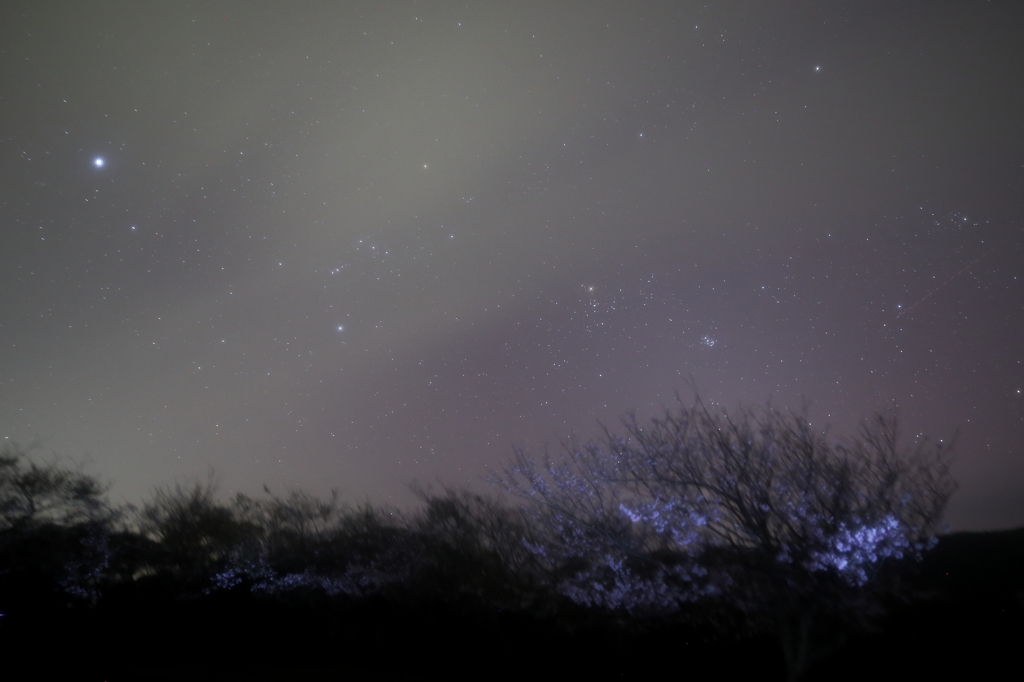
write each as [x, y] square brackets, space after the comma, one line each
[796, 645]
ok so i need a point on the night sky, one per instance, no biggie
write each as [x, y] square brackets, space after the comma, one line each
[356, 245]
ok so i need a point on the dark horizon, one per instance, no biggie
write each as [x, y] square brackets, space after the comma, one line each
[362, 245]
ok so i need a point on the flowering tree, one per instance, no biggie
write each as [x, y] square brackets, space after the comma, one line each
[791, 530]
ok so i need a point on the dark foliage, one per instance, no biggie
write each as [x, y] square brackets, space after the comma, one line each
[288, 587]
[54, 528]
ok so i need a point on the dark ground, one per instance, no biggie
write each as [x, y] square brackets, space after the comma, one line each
[967, 619]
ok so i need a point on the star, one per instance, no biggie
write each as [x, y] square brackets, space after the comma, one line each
[98, 162]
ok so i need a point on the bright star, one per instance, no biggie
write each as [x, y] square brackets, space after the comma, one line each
[98, 162]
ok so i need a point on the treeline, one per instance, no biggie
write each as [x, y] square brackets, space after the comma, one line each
[590, 578]
[55, 525]
[189, 580]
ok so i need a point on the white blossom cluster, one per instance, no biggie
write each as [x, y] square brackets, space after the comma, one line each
[609, 582]
[672, 517]
[353, 580]
[599, 549]
[854, 552]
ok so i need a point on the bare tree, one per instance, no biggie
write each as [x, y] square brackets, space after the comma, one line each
[32, 493]
[474, 544]
[194, 533]
[790, 530]
[301, 543]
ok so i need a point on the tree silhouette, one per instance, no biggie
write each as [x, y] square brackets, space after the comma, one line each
[473, 545]
[32, 493]
[191, 534]
[786, 529]
[54, 526]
